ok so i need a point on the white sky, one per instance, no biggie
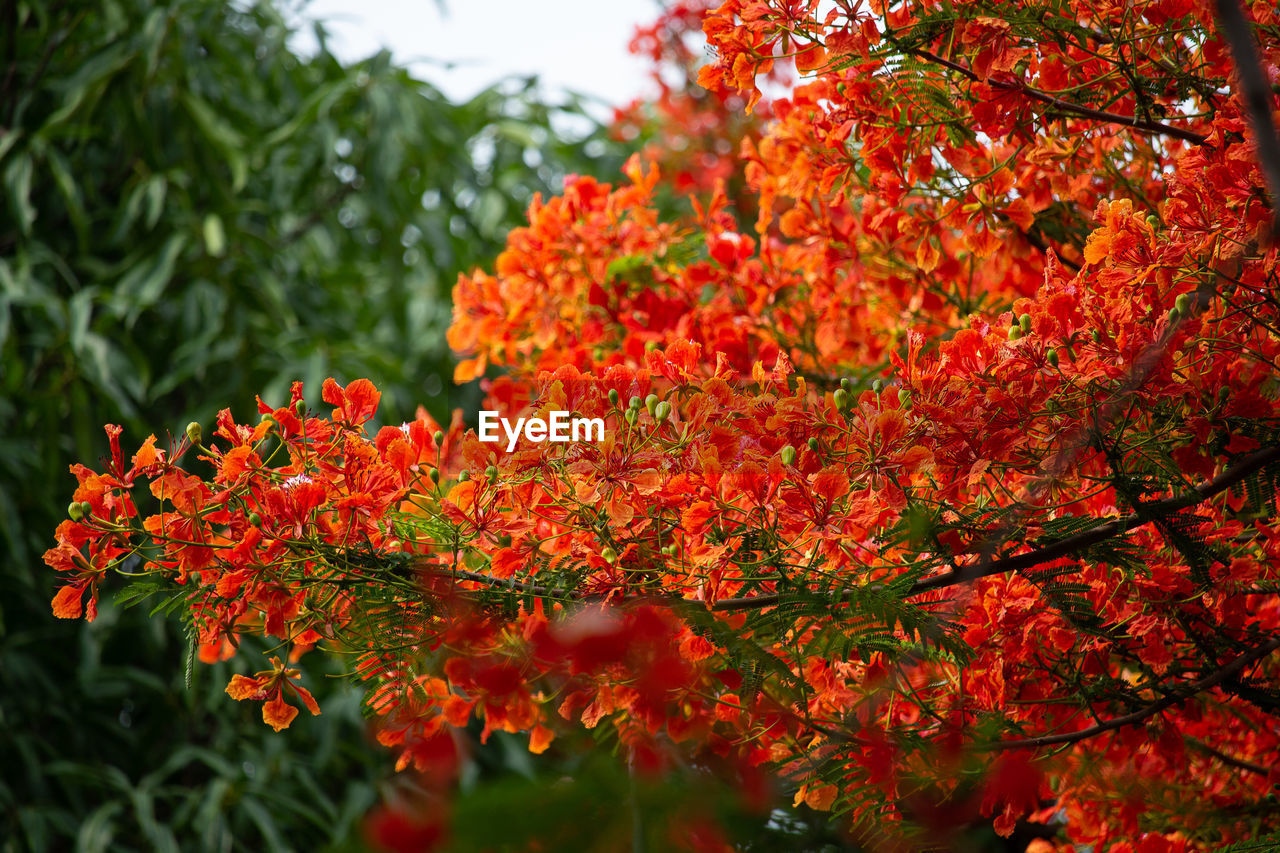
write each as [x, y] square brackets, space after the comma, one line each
[579, 45]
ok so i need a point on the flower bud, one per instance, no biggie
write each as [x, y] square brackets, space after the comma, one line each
[1051, 356]
[438, 438]
[841, 399]
[86, 509]
[492, 473]
[904, 397]
[300, 407]
[661, 412]
[464, 476]
[1014, 333]
[609, 555]
[434, 475]
[814, 444]
[255, 519]
[877, 387]
[787, 455]
[1173, 315]
[614, 397]
[74, 512]
[635, 403]
[650, 403]
[1024, 323]
[1183, 304]
[630, 417]
[846, 383]
[194, 432]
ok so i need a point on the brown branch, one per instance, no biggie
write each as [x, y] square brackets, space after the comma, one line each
[1107, 530]
[1229, 671]
[1068, 107]
[1229, 760]
[1065, 547]
[1057, 550]
[1256, 95]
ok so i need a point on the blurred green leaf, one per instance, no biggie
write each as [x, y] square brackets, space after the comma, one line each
[195, 213]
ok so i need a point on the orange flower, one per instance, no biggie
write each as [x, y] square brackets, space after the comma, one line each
[270, 685]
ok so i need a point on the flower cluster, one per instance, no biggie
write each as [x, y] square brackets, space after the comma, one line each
[942, 482]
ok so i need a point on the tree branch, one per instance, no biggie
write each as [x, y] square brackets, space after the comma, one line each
[966, 574]
[1256, 95]
[1106, 530]
[1069, 107]
[1230, 670]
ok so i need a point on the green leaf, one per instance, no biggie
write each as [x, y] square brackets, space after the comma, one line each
[222, 136]
[142, 285]
[17, 184]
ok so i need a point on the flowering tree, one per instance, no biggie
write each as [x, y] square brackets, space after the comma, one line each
[949, 490]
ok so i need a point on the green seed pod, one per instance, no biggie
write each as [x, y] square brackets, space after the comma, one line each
[1183, 304]
[841, 398]
[255, 519]
[1024, 323]
[609, 555]
[194, 432]
[74, 512]
[904, 397]
[787, 455]
[661, 412]
[814, 445]
[492, 473]
[464, 476]
[1014, 333]
[650, 403]
[1051, 356]
[877, 386]
[614, 397]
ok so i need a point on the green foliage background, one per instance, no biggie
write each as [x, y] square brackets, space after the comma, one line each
[193, 212]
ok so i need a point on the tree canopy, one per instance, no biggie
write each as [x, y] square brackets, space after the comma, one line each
[939, 473]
